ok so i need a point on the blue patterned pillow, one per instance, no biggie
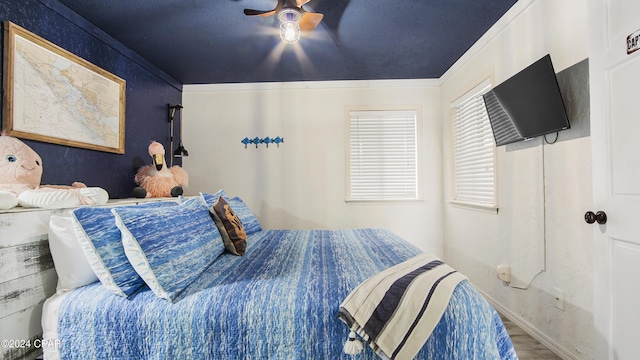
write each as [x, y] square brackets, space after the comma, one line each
[169, 247]
[249, 220]
[101, 242]
[212, 199]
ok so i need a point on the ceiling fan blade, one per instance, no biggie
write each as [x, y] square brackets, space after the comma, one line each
[252, 12]
[301, 2]
[310, 21]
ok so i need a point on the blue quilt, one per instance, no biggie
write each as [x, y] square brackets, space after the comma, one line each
[278, 301]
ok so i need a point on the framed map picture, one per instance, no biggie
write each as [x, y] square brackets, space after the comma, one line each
[54, 96]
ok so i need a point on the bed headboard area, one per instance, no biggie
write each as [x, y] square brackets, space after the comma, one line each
[28, 277]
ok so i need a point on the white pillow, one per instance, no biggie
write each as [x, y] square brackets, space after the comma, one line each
[71, 265]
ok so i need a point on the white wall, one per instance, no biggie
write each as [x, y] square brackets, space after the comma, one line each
[539, 187]
[301, 184]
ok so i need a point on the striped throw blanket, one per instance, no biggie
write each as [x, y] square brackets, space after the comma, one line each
[396, 310]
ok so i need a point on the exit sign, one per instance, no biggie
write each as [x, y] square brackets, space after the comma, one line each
[633, 42]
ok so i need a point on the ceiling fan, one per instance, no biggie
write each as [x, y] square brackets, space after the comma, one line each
[293, 18]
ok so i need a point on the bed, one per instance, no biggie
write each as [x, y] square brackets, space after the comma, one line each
[279, 300]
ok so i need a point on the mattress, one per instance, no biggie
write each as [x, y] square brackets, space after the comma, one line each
[49, 323]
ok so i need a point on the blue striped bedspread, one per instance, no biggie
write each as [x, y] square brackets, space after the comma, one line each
[278, 301]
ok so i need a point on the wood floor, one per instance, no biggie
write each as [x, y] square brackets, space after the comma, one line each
[527, 348]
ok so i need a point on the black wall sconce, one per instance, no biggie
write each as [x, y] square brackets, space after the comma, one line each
[180, 150]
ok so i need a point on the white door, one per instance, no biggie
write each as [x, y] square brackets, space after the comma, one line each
[615, 135]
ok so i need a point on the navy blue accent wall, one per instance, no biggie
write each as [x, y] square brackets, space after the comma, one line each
[149, 90]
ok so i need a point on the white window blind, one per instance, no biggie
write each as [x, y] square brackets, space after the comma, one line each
[474, 149]
[382, 155]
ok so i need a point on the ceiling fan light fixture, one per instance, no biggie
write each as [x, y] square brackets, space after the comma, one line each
[289, 25]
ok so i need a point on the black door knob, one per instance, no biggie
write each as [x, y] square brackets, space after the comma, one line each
[600, 217]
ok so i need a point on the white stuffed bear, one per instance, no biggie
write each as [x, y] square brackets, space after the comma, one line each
[20, 174]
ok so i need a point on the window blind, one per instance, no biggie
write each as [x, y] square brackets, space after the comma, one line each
[474, 149]
[382, 156]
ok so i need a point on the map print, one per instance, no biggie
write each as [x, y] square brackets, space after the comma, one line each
[56, 97]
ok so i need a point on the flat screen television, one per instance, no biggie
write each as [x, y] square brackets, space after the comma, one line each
[527, 105]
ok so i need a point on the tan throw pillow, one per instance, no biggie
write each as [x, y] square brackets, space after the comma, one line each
[230, 226]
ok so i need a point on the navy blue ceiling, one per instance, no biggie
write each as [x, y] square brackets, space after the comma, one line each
[212, 41]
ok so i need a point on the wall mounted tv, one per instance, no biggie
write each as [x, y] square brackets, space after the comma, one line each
[527, 105]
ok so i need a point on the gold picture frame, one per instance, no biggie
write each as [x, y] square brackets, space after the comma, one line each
[53, 95]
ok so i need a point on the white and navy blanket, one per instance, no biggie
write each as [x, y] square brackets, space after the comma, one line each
[396, 310]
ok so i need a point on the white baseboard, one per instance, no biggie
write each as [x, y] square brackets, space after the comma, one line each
[530, 329]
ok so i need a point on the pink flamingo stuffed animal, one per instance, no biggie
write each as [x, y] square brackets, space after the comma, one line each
[157, 180]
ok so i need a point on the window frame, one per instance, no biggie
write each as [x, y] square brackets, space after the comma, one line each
[417, 109]
[475, 91]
